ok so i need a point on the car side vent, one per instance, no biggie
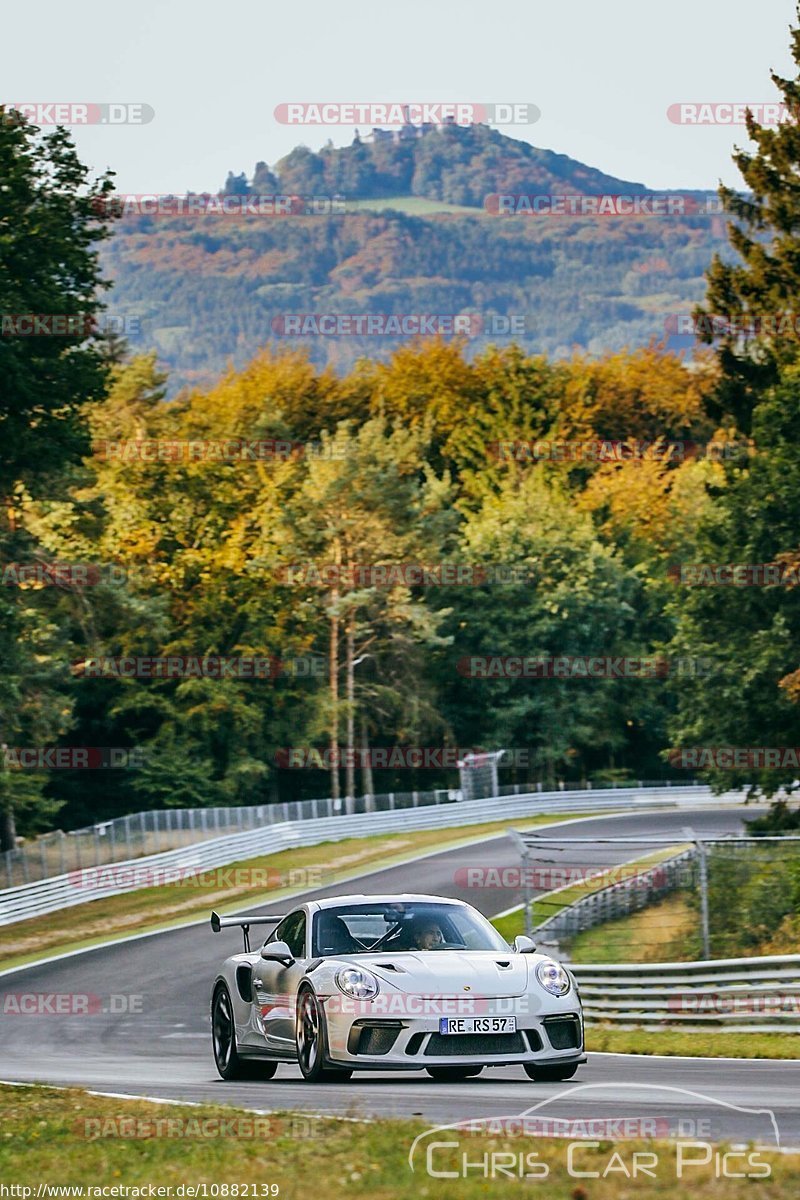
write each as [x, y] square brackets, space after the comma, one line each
[504, 964]
[244, 985]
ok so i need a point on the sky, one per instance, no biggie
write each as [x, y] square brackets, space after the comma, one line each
[602, 75]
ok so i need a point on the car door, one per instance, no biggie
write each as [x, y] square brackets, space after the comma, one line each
[275, 986]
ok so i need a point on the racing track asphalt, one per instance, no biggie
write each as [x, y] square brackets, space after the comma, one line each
[164, 1050]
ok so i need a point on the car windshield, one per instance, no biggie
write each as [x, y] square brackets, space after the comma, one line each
[389, 926]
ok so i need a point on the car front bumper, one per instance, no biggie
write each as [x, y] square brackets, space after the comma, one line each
[413, 1043]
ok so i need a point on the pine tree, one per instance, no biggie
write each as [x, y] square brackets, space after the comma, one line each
[756, 301]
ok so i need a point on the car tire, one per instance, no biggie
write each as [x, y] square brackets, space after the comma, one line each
[549, 1074]
[312, 1042]
[453, 1074]
[229, 1062]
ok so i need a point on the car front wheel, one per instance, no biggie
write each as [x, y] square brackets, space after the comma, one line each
[549, 1074]
[312, 1043]
[452, 1074]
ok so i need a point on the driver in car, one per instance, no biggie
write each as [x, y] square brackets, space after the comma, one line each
[427, 935]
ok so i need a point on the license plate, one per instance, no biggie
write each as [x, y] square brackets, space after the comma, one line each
[477, 1025]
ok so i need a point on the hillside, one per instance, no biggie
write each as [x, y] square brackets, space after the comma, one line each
[449, 163]
[415, 238]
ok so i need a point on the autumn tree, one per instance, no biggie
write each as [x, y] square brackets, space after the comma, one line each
[51, 219]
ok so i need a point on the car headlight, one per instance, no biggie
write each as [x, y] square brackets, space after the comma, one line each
[553, 977]
[358, 984]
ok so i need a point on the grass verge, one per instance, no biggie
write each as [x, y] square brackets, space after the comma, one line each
[668, 931]
[256, 880]
[659, 933]
[69, 1138]
[708, 1043]
[549, 903]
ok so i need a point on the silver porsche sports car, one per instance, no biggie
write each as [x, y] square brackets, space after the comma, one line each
[391, 983]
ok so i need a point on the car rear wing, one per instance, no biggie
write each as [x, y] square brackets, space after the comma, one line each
[218, 923]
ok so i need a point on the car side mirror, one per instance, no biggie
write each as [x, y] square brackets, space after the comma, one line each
[524, 945]
[277, 952]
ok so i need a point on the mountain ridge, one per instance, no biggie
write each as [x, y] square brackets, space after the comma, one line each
[209, 291]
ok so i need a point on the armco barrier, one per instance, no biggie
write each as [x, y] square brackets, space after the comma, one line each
[60, 891]
[741, 995]
[619, 899]
[156, 830]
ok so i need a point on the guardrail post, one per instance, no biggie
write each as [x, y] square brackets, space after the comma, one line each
[701, 850]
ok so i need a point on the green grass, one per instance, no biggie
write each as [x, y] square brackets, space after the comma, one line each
[669, 931]
[662, 932]
[550, 903]
[173, 904]
[705, 1044]
[70, 1138]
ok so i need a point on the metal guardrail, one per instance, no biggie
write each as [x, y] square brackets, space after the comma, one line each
[741, 995]
[156, 830]
[69, 889]
[641, 887]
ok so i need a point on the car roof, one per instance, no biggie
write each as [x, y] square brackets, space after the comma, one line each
[382, 898]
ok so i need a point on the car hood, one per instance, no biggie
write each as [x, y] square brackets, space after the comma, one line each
[451, 972]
